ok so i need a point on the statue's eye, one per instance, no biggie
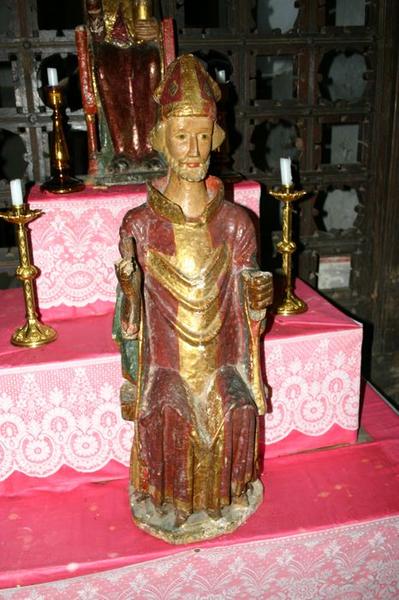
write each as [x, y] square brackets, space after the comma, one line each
[181, 136]
[204, 136]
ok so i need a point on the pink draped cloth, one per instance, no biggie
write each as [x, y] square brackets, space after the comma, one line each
[330, 518]
[328, 528]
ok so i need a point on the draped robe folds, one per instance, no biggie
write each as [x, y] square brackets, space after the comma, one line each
[197, 383]
[126, 79]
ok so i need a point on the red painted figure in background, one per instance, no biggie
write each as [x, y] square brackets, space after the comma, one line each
[125, 57]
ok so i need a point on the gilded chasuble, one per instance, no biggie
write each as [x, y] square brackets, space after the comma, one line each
[193, 383]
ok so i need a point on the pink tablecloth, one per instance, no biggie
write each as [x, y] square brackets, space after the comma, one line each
[328, 528]
[60, 403]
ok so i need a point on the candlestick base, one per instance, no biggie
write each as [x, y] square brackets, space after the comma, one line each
[33, 334]
[291, 305]
[63, 184]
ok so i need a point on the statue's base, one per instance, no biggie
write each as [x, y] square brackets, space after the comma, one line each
[199, 526]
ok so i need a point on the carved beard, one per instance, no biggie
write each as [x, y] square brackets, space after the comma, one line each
[185, 172]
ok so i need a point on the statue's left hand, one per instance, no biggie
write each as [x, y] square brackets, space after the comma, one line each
[259, 290]
[147, 30]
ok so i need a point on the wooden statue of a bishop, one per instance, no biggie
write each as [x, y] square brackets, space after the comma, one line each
[191, 306]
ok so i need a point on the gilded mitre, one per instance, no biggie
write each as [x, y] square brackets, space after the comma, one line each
[187, 90]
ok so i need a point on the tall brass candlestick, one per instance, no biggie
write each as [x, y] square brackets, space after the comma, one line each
[61, 182]
[33, 333]
[291, 304]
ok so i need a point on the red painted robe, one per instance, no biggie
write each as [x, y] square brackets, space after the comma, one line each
[127, 74]
[199, 389]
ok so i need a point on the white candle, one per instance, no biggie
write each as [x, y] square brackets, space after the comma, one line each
[52, 77]
[285, 168]
[17, 198]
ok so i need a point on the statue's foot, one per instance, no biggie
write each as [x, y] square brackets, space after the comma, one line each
[240, 500]
[181, 517]
[138, 496]
[214, 513]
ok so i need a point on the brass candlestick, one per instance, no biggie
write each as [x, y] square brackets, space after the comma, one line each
[291, 304]
[33, 333]
[61, 182]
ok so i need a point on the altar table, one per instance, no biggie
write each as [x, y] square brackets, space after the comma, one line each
[60, 403]
[328, 529]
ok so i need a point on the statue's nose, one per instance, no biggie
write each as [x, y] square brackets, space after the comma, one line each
[193, 145]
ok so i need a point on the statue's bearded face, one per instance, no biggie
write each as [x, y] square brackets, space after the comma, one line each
[188, 144]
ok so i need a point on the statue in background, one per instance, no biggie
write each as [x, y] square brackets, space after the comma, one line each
[190, 310]
[121, 65]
